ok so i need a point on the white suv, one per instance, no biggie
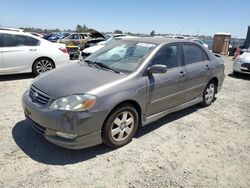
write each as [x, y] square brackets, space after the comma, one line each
[21, 52]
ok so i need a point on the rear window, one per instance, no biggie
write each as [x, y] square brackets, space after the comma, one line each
[193, 54]
[9, 40]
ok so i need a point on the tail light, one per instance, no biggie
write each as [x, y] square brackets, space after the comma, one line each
[64, 50]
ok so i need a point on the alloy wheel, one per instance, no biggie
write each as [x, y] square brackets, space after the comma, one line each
[122, 126]
[210, 91]
[43, 65]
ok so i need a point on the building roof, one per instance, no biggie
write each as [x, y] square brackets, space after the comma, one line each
[222, 33]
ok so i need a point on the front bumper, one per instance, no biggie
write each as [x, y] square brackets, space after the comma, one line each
[87, 125]
[238, 68]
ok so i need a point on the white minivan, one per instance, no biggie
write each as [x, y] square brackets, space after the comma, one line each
[22, 52]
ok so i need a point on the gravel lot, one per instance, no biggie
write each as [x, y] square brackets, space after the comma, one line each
[195, 147]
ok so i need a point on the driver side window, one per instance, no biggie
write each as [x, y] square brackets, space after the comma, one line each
[169, 55]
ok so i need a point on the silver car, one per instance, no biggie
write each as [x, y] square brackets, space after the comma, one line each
[127, 84]
[242, 63]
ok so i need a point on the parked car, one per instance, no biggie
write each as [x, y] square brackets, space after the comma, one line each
[126, 84]
[46, 36]
[102, 41]
[36, 34]
[55, 37]
[22, 52]
[242, 63]
[175, 36]
[87, 51]
[80, 39]
[74, 52]
[200, 42]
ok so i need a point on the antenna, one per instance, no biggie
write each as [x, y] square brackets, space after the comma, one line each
[182, 29]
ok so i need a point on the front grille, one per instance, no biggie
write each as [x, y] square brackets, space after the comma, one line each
[37, 127]
[247, 65]
[38, 96]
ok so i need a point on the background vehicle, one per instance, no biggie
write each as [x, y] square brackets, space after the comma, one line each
[80, 39]
[175, 36]
[200, 42]
[87, 51]
[73, 51]
[242, 63]
[22, 52]
[124, 85]
[36, 34]
[54, 37]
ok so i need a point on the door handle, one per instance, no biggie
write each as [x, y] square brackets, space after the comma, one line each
[207, 67]
[182, 74]
[32, 50]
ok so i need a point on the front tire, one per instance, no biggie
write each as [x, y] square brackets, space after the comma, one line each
[120, 126]
[236, 73]
[209, 94]
[42, 65]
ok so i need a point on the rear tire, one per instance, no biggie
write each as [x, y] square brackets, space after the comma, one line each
[120, 126]
[209, 94]
[42, 65]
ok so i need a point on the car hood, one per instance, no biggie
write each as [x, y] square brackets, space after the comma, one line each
[246, 57]
[93, 49]
[76, 78]
[96, 34]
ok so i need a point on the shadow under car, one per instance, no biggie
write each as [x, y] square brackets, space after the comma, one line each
[39, 149]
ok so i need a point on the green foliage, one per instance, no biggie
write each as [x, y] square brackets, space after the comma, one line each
[82, 28]
[117, 31]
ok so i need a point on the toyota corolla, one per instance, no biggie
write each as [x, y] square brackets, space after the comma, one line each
[127, 84]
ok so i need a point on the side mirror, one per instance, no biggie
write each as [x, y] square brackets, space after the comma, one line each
[157, 69]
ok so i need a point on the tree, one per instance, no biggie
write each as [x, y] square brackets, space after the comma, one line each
[117, 31]
[152, 33]
[81, 28]
[85, 28]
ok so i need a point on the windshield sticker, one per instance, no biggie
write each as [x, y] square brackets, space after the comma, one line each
[145, 44]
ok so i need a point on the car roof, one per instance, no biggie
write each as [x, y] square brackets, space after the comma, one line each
[156, 40]
[11, 32]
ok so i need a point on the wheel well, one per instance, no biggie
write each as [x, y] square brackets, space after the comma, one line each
[44, 57]
[131, 102]
[215, 80]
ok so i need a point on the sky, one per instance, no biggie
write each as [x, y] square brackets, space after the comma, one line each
[138, 16]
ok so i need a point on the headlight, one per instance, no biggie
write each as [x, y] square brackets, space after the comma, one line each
[239, 60]
[74, 103]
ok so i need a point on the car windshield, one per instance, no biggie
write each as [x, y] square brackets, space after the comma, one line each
[123, 56]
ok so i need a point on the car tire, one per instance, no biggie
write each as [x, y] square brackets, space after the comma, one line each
[209, 93]
[120, 126]
[42, 65]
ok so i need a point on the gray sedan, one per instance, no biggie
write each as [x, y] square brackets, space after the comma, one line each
[127, 84]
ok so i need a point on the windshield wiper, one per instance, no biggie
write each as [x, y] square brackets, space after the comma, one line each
[89, 62]
[101, 65]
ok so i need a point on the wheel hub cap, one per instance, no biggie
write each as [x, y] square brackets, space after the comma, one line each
[122, 126]
[209, 93]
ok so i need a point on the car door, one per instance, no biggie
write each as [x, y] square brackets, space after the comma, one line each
[167, 90]
[83, 40]
[18, 52]
[198, 69]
